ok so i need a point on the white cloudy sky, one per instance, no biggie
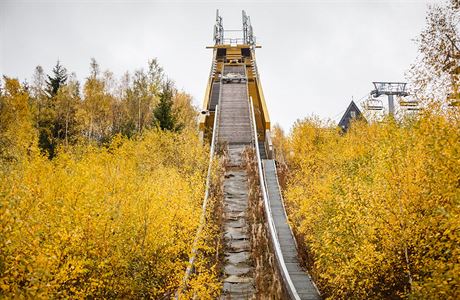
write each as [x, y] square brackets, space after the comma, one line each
[315, 55]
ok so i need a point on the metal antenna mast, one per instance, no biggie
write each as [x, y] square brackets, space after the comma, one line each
[390, 89]
[218, 30]
[245, 26]
[248, 35]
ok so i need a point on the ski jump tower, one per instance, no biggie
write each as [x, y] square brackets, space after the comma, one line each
[230, 57]
[235, 116]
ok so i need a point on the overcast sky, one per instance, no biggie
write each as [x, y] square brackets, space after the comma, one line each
[315, 55]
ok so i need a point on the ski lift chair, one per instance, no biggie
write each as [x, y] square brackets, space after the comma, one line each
[409, 104]
[374, 104]
[454, 99]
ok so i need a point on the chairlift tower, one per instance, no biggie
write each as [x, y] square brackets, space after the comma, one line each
[390, 89]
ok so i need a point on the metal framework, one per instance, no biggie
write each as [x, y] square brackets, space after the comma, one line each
[248, 33]
[218, 30]
[390, 89]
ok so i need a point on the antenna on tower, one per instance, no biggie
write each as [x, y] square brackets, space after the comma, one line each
[218, 30]
[248, 34]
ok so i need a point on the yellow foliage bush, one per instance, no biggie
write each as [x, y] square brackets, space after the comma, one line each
[17, 134]
[114, 222]
[378, 208]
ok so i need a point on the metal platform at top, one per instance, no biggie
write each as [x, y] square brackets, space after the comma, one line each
[220, 34]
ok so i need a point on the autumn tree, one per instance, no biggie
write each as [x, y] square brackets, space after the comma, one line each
[55, 102]
[142, 95]
[42, 107]
[67, 101]
[106, 107]
[38, 95]
[17, 134]
[95, 113]
[279, 141]
[140, 101]
[46, 100]
[120, 116]
[155, 74]
[435, 74]
[184, 110]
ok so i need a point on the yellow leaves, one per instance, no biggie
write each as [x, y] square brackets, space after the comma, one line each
[365, 199]
[17, 135]
[185, 112]
[112, 222]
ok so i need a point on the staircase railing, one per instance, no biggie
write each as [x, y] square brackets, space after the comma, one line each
[189, 270]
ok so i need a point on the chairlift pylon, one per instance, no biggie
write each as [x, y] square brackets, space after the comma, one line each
[389, 89]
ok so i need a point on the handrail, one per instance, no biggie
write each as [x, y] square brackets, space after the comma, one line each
[192, 258]
[238, 41]
[271, 223]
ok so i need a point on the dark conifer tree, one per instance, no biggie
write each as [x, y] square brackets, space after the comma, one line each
[58, 79]
[163, 113]
[48, 123]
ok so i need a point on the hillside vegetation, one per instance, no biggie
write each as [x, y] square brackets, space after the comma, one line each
[98, 200]
[377, 210]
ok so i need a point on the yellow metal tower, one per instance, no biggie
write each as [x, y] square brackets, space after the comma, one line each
[234, 52]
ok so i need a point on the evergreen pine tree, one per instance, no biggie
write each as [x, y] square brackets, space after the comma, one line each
[163, 114]
[58, 79]
[48, 123]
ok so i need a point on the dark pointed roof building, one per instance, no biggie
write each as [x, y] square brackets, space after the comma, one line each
[352, 112]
